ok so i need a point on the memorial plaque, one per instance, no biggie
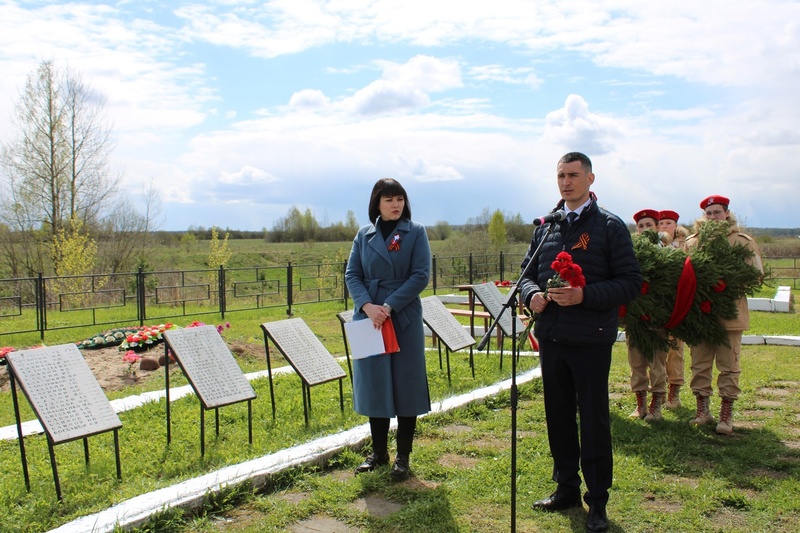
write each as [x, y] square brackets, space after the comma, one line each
[63, 392]
[444, 324]
[209, 366]
[346, 316]
[304, 351]
[493, 300]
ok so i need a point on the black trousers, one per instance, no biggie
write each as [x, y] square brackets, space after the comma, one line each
[575, 380]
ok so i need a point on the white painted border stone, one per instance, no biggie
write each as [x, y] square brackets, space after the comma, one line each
[780, 303]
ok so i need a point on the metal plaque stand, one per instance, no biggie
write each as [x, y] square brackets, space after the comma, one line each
[306, 354]
[213, 373]
[67, 399]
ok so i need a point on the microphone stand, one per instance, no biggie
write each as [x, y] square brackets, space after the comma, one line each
[511, 302]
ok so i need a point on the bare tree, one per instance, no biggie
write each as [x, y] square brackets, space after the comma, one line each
[127, 231]
[56, 169]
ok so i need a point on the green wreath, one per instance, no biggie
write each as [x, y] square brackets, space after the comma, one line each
[722, 277]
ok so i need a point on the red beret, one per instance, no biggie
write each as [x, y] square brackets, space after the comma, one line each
[646, 213]
[711, 200]
[667, 214]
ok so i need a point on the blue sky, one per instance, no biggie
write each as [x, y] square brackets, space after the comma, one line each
[239, 110]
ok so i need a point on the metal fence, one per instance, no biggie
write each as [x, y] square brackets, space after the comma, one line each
[50, 303]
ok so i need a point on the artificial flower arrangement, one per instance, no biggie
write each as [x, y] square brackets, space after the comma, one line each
[686, 295]
[110, 337]
[5, 350]
[145, 337]
[220, 327]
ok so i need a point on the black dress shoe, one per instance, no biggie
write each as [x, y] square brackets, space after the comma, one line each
[400, 468]
[597, 521]
[560, 499]
[372, 462]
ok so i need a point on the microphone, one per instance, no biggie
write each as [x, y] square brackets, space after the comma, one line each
[555, 216]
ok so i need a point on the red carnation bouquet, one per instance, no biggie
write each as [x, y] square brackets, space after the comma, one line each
[568, 274]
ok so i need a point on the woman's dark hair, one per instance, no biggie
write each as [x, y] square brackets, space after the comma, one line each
[387, 187]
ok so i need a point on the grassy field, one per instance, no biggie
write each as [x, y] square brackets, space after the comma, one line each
[668, 476]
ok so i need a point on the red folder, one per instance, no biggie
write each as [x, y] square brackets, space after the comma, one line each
[389, 337]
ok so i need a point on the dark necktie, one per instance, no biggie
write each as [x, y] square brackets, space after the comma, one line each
[571, 216]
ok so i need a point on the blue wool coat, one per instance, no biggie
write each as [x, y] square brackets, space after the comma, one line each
[395, 384]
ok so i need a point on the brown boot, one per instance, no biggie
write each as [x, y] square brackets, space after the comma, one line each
[673, 397]
[725, 426]
[641, 405]
[703, 415]
[654, 411]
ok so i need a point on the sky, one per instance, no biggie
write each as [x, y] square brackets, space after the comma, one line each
[237, 111]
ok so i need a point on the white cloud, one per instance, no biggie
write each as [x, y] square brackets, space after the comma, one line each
[716, 114]
[309, 100]
[405, 87]
[575, 128]
[247, 175]
[505, 74]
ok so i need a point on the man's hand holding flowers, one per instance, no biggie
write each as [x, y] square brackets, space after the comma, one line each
[564, 288]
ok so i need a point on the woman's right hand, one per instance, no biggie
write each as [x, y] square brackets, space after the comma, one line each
[377, 313]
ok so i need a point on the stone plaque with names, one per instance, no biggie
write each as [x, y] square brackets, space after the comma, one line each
[346, 316]
[444, 324]
[63, 392]
[493, 300]
[209, 366]
[304, 351]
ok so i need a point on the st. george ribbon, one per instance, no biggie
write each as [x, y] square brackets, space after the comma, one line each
[555, 216]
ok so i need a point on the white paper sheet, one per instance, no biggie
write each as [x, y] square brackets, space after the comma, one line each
[364, 339]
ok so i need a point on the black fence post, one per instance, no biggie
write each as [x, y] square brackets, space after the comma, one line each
[141, 310]
[221, 289]
[289, 291]
[433, 266]
[502, 266]
[470, 269]
[345, 292]
[41, 306]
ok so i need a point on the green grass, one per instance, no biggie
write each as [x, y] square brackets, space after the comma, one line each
[668, 475]
[148, 463]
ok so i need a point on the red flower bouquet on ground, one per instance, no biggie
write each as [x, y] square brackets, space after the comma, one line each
[5, 350]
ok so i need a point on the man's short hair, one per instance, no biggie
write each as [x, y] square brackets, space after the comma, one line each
[586, 163]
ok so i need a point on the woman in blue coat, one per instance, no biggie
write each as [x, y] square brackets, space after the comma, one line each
[389, 267]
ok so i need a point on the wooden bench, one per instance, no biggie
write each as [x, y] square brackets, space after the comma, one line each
[486, 316]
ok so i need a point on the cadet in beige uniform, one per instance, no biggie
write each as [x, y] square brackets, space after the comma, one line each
[656, 382]
[726, 357]
[675, 236]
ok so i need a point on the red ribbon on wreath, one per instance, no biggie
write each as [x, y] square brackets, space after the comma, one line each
[687, 288]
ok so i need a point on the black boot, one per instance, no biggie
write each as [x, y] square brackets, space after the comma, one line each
[400, 468]
[372, 462]
[406, 425]
[379, 429]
